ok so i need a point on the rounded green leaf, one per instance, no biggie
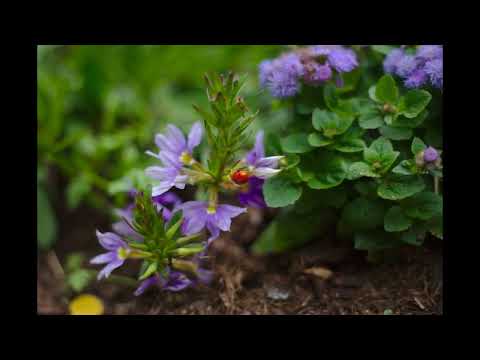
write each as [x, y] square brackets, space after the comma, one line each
[279, 191]
[386, 90]
[396, 220]
[360, 169]
[350, 145]
[417, 146]
[414, 102]
[318, 140]
[423, 206]
[363, 214]
[296, 143]
[399, 187]
[371, 120]
[396, 133]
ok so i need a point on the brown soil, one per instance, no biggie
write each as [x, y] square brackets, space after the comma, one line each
[320, 279]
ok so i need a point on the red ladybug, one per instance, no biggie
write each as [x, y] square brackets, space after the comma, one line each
[240, 177]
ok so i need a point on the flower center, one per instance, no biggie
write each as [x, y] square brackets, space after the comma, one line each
[123, 253]
[186, 158]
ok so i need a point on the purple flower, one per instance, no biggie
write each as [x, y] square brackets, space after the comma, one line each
[281, 75]
[434, 69]
[429, 52]
[122, 227]
[164, 200]
[260, 166]
[253, 195]
[416, 79]
[176, 281]
[342, 59]
[198, 215]
[265, 70]
[175, 151]
[430, 154]
[316, 74]
[391, 61]
[406, 65]
[118, 251]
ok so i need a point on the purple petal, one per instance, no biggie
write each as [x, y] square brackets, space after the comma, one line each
[270, 161]
[258, 151]
[161, 173]
[177, 281]
[214, 232]
[222, 217]
[110, 241]
[176, 138]
[164, 143]
[265, 172]
[170, 159]
[169, 198]
[107, 270]
[104, 258]
[204, 276]
[194, 221]
[195, 136]
[145, 284]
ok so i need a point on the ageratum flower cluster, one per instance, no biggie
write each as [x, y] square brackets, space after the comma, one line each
[423, 67]
[312, 65]
[165, 232]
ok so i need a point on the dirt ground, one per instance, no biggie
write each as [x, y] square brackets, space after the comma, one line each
[320, 279]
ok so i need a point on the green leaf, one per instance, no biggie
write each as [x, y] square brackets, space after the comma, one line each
[323, 170]
[411, 237]
[380, 155]
[46, 221]
[363, 214]
[350, 145]
[280, 191]
[296, 143]
[79, 279]
[359, 169]
[74, 262]
[314, 200]
[396, 133]
[289, 230]
[316, 139]
[398, 187]
[77, 190]
[371, 93]
[386, 90]
[330, 123]
[371, 120]
[435, 226]
[412, 123]
[367, 188]
[151, 268]
[383, 49]
[417, 146]
[375, 240]
[395, 220]
[174, 224]
[423, 206]
[330, 96]
[414, 102]
[404, 168]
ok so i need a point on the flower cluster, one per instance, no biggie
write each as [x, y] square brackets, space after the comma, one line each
[165, 232]
[423, 67]
[313, 65]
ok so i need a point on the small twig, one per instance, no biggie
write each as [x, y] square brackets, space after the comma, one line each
[420, 305]
[55, 265]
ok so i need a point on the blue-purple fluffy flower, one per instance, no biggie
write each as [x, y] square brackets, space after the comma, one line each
[313, 65]
[419, 69]
[118, 251]
[175, 152]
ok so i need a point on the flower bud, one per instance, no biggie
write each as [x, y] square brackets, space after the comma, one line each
[430, 154]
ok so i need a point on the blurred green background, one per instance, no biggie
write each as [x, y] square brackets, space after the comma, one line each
[99, 107]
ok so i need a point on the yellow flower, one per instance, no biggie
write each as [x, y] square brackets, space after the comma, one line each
[86, 304]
